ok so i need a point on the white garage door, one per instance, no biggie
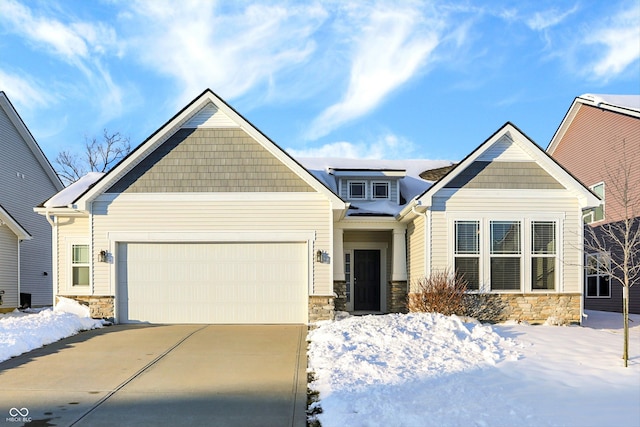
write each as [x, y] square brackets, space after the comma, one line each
[212, 282]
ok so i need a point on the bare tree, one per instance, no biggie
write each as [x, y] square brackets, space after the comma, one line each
[98, 156]
[614, 248]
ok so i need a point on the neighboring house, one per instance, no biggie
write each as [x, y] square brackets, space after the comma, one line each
[589, 144]
[26, 179]
[209, 221]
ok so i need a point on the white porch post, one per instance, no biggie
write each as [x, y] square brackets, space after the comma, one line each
[338, 254]
[399, 269]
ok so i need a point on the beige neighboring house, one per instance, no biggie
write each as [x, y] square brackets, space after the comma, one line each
[589, 143]
[209, 221]
[26, 179]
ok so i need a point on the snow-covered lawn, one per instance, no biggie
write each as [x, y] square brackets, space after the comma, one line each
[432, 370]
[25, 331]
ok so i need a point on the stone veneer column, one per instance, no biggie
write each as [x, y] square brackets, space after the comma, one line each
[321, 308]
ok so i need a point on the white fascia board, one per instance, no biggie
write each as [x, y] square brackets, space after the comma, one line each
[61, 211]
[14, 226]
[368, 173]
[206, 197]
[564, 125]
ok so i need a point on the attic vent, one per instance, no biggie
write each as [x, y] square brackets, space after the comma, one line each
[210, 116]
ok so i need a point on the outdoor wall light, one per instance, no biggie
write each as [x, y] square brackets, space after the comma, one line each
[103, 256]
[322, 256]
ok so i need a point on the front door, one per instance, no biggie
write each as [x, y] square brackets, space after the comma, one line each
[366, 280]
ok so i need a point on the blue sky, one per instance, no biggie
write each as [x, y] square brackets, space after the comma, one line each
[369, 79]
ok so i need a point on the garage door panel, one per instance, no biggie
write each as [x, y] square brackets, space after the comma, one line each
[212, 282]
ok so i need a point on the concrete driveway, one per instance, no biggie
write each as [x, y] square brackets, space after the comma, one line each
[178, 375]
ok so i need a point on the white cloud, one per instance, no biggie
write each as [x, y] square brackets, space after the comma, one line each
[80, 44]
[620, 39]
[24, 92]
[388, 147]
[392, 46]
[548, 18]
[230, 49]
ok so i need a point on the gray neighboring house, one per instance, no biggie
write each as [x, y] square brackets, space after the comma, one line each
[26, 179]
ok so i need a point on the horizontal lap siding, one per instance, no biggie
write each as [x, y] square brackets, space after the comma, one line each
[8, 267]
[592, 148]
[69, 229]
[24, 185]
[571, 258]
[416, 251]
[211, 216]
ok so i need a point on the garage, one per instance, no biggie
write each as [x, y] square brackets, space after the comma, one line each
[212, 282]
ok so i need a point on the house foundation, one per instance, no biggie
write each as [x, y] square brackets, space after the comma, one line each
[100, 307]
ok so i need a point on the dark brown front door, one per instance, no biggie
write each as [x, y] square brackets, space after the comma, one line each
[366, 280]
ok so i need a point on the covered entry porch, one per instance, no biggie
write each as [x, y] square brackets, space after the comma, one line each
[370, 269]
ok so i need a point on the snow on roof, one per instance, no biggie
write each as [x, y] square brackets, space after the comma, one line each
[72, 192]
[630, 102]
[410, 186]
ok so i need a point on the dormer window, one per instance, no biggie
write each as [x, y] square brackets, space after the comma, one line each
[357, 190]
[380, 190]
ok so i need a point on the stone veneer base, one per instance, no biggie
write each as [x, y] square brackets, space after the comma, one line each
[100, 307]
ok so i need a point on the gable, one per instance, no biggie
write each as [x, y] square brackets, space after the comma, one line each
[504, 175]
[504, 165]
[201, 159]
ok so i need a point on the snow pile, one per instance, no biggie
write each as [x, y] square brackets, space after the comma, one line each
[432, 370]
[22, 332]
[376, 367]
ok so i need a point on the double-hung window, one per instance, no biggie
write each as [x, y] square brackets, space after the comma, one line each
[598, 280]
[79, 265]
[467, 252]
[506, 255]
[543, 255]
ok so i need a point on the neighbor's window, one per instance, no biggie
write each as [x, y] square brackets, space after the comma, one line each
[357, 190]
[506, 255]
[595, 214]
[543, 255]
[467, 252]
[598, 280]
[380, 190]
[80, 265]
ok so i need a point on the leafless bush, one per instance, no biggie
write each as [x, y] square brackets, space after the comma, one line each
[442, 292]
[446, 293]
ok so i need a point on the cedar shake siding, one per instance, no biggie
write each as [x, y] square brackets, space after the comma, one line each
[504, 175]
[593, 144]
[210, 160]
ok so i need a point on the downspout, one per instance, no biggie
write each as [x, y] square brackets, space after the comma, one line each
[19, 268]
[427, 243]
[54, 254]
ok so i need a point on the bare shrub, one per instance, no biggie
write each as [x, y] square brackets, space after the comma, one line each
[446, 293]
[442, 292]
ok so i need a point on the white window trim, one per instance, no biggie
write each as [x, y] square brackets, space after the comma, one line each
[79, 289]
[525, 248]
[587, 275]
[364, 185]
[589, 214]
[386, 184]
